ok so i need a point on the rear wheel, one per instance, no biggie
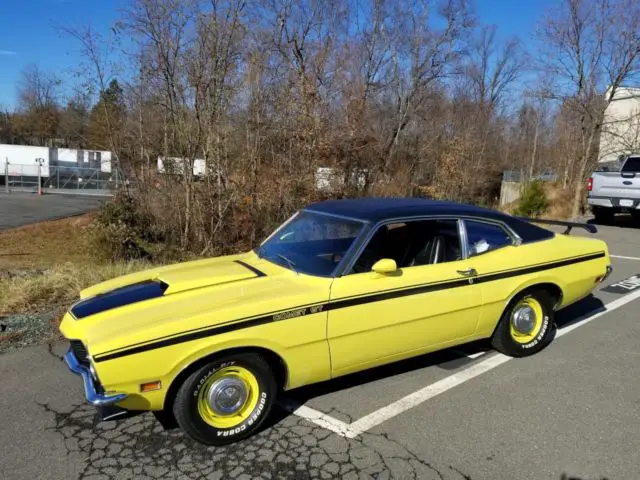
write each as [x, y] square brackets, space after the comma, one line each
[226, 400]
[526, 326]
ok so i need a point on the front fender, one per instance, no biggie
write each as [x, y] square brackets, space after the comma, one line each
[300, 342]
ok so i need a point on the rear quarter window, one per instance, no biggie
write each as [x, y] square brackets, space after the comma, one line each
[632, 165]
[485, 237]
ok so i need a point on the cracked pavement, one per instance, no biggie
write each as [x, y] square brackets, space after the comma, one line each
[139, 447]
[569, 412]
[289, 449]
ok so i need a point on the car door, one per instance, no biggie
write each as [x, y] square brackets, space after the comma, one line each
[429, 302]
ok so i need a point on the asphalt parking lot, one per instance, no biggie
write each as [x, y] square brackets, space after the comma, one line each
[572, 410]
[18, 208]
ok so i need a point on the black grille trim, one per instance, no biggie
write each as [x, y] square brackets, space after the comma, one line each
[80, 351]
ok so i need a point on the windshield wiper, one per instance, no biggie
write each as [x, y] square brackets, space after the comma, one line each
[289, 261]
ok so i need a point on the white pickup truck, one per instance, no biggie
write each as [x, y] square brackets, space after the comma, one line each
[614, 188]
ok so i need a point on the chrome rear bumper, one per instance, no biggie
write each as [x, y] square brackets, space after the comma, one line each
[90, 390]
[606, 275]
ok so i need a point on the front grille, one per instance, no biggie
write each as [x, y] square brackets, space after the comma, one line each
[80, 351]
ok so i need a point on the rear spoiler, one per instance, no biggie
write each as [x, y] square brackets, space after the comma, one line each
[586, 226]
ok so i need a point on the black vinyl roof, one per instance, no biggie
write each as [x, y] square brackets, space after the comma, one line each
[380, 209]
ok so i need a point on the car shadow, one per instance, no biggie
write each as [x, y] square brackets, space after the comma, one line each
[449, 359]
[621, 220]
[589, 306]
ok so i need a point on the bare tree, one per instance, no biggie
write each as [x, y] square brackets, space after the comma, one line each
[38, 89]
[97, 51]
[431, 54]
[492, 68]
[38, 97]
[593, 47]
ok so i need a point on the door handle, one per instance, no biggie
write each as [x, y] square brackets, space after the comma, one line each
[468, 272]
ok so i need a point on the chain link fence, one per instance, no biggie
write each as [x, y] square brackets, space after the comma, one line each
[60, 179]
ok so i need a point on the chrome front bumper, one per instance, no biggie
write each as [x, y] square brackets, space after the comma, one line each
[90, 390]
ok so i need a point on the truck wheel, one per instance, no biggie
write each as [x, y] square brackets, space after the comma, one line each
[226, 400]
[603, 215]
[526, 326]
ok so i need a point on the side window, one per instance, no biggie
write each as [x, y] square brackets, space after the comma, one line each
[412, 244]
[484, 237]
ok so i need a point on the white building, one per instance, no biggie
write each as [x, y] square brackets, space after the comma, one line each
[621, 126]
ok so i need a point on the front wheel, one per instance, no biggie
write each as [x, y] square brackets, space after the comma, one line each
[226, 400]
[527, 325]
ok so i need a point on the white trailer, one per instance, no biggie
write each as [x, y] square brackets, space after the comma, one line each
[22, 160]
[176, 165]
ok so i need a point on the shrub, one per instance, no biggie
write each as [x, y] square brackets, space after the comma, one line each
[533, 201]
[122, 232]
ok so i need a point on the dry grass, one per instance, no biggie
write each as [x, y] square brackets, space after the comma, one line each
[560, 199]
[57, 286]
[45, 244]
[43, 266]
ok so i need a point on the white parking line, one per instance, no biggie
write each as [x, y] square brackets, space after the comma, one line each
[625, 258]
[414, 399]
[321, 419]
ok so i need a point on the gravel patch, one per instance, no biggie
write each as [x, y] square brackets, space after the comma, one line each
[20, 330]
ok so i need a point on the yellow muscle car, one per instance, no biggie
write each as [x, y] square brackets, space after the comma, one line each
[340, 287]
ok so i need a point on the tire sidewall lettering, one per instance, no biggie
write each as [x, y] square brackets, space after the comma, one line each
[257, 412]
[541, 334]
[211, 372]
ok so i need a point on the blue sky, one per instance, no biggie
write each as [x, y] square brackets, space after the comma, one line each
[30, 34]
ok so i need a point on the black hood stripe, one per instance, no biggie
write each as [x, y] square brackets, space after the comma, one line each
[136, 292]
[254, 321]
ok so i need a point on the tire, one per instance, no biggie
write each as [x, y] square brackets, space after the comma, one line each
[510, 340]
[235, 373]
[603, 215]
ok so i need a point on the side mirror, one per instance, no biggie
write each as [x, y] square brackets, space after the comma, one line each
[384, 266]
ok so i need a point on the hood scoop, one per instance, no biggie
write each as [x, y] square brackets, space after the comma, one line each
[136, 292]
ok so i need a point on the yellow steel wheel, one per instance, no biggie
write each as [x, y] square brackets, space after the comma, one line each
[228, 397]
[526, 320]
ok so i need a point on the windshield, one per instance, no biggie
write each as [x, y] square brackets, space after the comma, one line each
[311, 243]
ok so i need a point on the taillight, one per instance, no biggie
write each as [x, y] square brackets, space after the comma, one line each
[590, 184]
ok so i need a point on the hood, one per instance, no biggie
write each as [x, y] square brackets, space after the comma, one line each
[198, 276]
[165, 281]
[182, 276]
[188, 297]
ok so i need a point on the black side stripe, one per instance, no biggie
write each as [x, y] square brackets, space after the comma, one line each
[258, 273]
[334, 305]
[230, 323]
